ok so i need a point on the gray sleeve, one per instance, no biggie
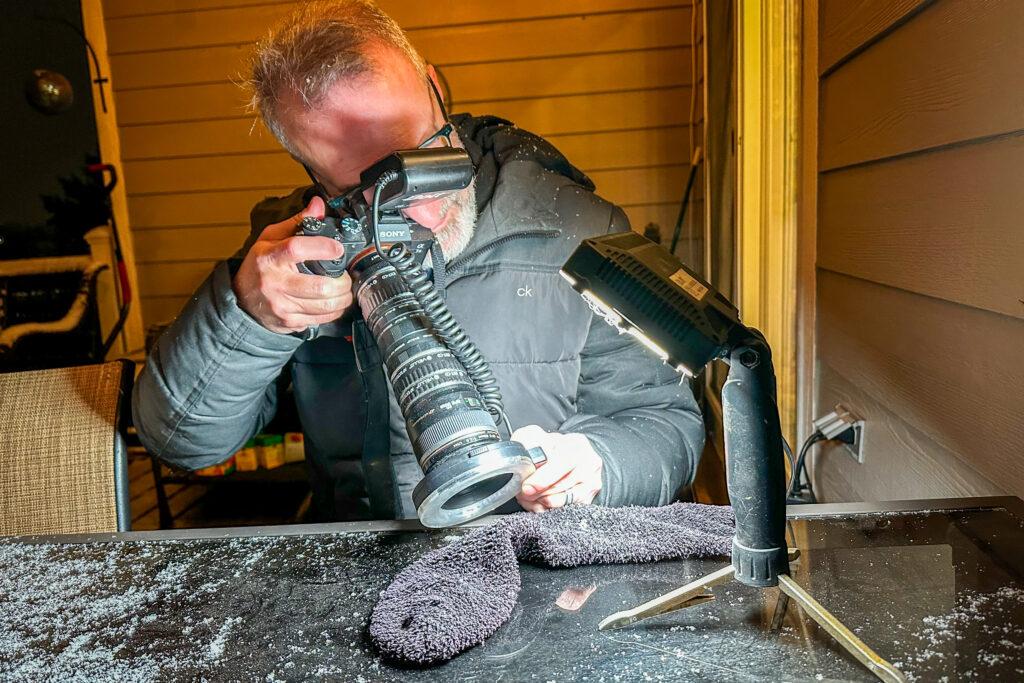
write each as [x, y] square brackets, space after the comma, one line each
[639, 414]
[208, 384]
[641, 418]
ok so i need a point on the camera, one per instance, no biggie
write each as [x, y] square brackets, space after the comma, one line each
[354, 235]
[411, 177]
[447, 395]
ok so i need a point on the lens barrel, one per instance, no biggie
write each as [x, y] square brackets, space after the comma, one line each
[469, 470]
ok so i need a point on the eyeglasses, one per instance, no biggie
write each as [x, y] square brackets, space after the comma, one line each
[441, 138]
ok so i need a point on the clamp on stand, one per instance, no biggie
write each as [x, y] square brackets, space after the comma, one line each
[643, 290]
[756, 480]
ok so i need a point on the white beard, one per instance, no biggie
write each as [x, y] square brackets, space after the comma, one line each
[455, 237]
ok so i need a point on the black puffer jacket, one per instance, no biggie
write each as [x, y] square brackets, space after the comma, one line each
[210, 382]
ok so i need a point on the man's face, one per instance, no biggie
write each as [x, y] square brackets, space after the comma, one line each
[368, 118]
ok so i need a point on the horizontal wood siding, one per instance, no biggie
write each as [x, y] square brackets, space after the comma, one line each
[946, 369]
[949, 75]
[920, 250]
[848, 26]
[946, 225]
[607, 81]
[901, 461]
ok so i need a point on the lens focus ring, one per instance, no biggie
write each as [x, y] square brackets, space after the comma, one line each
[450, 428]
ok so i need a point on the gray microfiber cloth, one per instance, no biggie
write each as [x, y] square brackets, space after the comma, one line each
[453, 598]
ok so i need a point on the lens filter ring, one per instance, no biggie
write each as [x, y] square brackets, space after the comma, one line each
[460, 489]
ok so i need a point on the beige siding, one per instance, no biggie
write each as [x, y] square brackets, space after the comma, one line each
[920, 246]
[848, 26]
[949, 74]
[608, 81]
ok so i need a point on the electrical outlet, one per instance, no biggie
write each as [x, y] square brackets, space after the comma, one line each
[856, 449]
[845, 426]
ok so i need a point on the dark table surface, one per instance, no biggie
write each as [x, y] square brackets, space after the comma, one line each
[935, 586]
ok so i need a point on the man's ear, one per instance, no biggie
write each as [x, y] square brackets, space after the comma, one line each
[432, 75]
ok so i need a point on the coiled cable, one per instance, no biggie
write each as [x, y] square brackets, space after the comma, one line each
[441, 319]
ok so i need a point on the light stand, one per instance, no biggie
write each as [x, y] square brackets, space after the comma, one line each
[645, 291]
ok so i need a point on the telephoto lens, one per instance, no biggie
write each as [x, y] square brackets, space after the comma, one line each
[468, 469]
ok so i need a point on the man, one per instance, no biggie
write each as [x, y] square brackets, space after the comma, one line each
[340, 86]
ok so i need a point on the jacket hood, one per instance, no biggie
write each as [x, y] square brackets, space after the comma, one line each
[492, 142]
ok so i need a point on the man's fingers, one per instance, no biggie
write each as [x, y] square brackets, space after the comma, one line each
[552, 471]
[295, 300]
[554, 496]
[581, 493]
[320, 307]
[530, 436]
[316, 208]
[531, 506]
[270, 287]
[301, 286]
[297, 249]
[313, 295]
[297, 322]
[546, 476]
[287, 227]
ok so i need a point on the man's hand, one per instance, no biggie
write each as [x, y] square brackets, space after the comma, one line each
[572, 473]
[270, 287]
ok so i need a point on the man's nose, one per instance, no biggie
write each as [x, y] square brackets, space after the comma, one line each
[428, 214]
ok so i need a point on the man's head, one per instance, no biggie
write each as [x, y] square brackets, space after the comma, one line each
[339, 84]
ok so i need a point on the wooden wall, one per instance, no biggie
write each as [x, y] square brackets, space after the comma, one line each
[920, 245]
[608, 81]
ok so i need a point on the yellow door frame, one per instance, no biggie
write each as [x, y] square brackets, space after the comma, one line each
[132, 338]
[768, 108]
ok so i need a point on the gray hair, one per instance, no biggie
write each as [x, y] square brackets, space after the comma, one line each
[320, 44]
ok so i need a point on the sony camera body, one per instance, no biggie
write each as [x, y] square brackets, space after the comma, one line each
[355, 235]
[412, 177]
